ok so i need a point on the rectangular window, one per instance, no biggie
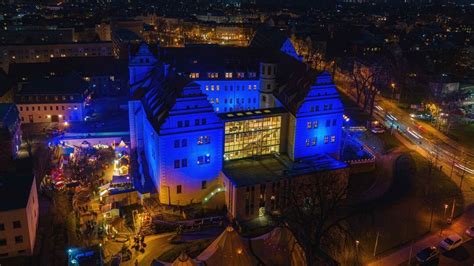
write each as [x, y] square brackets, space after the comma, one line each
[308, 124]
[228, 75]
[184, 143]
[18, 239]
[16, 224]
[204, 184]
[207, 87]
[203, 121]
[313, 141]
[176, 163]
[197, 122]
[176, 143]
[333, 139]
[208, 158]
[2, 227]
[178, 189]
[180, 123]
[184, 162]
[315, 124]
[186, 123]
[328, 123]
[316, 108]
[3, 242]
[334, 122]
[326, 139]
[307, 142]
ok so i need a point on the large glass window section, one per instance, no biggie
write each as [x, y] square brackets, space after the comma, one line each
[252, 137]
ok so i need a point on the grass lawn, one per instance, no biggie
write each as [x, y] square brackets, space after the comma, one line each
[404, 213]
[463, 134]
[193, 249]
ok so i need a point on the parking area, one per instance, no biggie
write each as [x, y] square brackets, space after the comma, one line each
[463, 255]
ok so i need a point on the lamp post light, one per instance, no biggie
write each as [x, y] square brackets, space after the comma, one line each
[445, 209]
[357, 249]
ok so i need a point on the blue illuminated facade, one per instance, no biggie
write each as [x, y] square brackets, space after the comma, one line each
[185, 101]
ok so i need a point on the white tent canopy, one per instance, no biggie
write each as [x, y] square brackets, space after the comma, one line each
[228, 249]
[279, 247]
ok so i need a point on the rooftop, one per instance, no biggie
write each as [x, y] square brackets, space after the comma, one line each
[15, 188]
[252, 113]
[70, 84]
[272, 168]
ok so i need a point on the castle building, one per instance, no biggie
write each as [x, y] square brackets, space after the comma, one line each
[198, 113]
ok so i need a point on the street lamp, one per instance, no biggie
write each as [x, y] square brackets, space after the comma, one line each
[445, 209]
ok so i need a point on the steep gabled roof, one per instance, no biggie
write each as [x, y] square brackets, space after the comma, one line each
[268, 37]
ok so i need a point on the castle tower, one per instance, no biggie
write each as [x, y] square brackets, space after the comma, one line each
[140, 64]
[267, 84]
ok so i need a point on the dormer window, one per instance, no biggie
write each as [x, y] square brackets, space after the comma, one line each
[194, 75]
[213, 75]
[240, 75]
[228, 75]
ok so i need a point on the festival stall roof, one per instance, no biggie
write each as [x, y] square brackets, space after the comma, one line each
[182, 260]
[228, 249]
[279, 247]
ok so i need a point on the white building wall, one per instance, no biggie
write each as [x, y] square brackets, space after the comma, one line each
[46, 113]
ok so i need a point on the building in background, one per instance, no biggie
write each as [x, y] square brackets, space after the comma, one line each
[18, 215]
[34, 53]
[53, 100]
[10, 133]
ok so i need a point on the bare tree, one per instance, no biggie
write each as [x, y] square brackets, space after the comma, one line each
[316, 212]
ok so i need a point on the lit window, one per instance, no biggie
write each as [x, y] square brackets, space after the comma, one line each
[254, 87]
[218, 87]
[194, 75]
[313, 141]
[308, 124]
[333, 139]
[217, 99]
[250, 87]
[207, 87]
[307, 142]
[212, 87]
[315, 124]
[228, 75]
[326, 139]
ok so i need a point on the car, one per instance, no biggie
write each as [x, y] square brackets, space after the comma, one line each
[451, 242]
[427, 254]
[470, 231]
[377, 130]
[121, 238]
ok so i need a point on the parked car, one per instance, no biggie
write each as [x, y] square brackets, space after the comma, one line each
[470, 231]
[451, 242]
[121, 238]
[427, 254]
